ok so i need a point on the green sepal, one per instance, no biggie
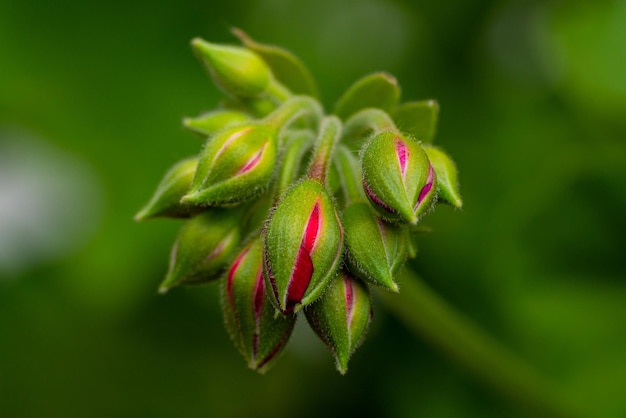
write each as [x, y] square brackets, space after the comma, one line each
[165, 202]
[379, 90]
[447, 176]
[234, 166]
[258, 333]
[203, 247]
[394, 192]
[341, 317]
[286, 67]
[289, 263]
[235, 70]
[418, 119]
[375, 249]
[209, 123]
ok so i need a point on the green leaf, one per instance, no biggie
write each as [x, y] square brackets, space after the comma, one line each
[286, 67]
[418, 119]
[379, 90]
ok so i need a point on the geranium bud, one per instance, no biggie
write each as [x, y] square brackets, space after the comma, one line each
[234, 166]
[235, 70]
[166, 199]
[447, 182]
[303, 246]
[250, 318]
[209, 123]
[397, 177]
[203, 247]
[341, 317]
[375, 249]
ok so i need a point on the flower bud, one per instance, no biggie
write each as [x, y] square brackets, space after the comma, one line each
[303, 246]
[204, 245]
[166, 199]
[397, 177]
[447, 182]
[376, 249]
[341, 317]
[236, 70]
[250, 318]
[234, 166]
[211, 122]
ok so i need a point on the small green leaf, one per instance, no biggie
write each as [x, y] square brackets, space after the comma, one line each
[378, 90]
[286, 67]
[418, 119]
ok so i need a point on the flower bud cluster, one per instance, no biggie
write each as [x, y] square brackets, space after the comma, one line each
[296, 212]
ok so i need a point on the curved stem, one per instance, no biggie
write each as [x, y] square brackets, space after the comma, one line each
[329, 133]
[428, 315]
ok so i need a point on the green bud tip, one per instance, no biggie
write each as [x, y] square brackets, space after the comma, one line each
[236, 70]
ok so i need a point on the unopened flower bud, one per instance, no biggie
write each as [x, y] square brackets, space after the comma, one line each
[397, 177]
[204, 245]
[376, 249]
[236, 70]
[250, 318]
[211, 122]
[166, 199]
[341, 317]
[447, 182]
[234, 166]
[303, 246]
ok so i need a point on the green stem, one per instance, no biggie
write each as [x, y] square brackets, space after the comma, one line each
[277, 91]
[297, 145]
[422, 310]
[330, 131]
[292, 109]
[348, 167]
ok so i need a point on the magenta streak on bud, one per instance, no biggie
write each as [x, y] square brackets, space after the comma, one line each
[219, 248]
[427, 187]
[349, 299]
[303, 269]
[376, 199]
[275, 351]
[230, 140]
[231, 276]
[252, 162]
[403, 155]
[259, 294]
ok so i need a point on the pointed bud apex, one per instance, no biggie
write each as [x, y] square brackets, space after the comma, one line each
[166, 199]
[235, 70]
[234, 166]
[303, 246]
[397, 178]
[250, 318]
[376, 249]
[203, 246]
[341, 317]
[209, 123]
[447, 182]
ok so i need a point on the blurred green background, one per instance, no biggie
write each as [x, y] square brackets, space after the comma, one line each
[533, 109]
